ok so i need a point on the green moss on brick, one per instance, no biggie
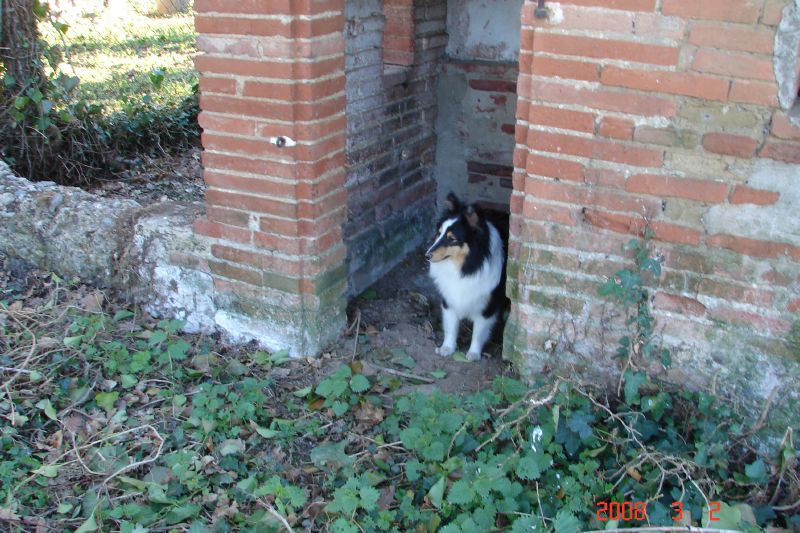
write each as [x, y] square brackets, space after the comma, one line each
[793, 340]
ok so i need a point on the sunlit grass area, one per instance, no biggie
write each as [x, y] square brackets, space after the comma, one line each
[114, 48]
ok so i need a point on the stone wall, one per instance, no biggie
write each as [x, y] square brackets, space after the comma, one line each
[149, 254]
[64, 229]
[678, 112]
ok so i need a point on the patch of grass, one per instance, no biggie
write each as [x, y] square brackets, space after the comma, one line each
[113, 50]
[119, 81]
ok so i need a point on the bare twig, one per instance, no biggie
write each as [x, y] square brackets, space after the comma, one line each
[398, 445]
[32, 351]
[407, 375]
[137, 464]
[271, 510]
[455, 436]
[17, 370]
[78, 455]
[355, 335]
[789, 507]
[787, 437]
[532, 404]
[764, 413]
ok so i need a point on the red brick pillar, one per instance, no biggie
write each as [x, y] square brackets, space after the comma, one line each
[272, 101]
[682, 112]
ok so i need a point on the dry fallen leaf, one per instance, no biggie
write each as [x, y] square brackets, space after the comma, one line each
[369, 414]
[386, 498]
[92, 302]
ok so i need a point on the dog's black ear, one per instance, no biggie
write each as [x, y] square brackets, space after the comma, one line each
[473, 217]
[452, 204]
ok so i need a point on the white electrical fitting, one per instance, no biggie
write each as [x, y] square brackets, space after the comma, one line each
[282, 141]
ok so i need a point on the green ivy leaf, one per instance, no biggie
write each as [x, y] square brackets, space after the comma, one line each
[73, 342]
[728, 517]
[757, 471]
[339, 408]
[181, 513]
[50, 470]
[460, 356]
[90, 524]
[359, 383]
[633, 380]
[40, 9]
[461, 493]
[302, 393]
[157, 78]
[266, 433]
[579, 422]
[122, 314]
[566, 522]
[331, 455]
[105, 400]
[48, 408]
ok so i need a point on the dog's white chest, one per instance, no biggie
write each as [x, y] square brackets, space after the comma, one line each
[468, 295]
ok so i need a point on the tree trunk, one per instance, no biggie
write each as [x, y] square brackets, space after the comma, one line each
[20, 53]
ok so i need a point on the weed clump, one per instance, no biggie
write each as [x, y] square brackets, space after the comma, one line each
[51, 128]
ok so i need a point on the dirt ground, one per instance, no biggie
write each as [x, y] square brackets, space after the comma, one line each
[400, 327]
[398, 319]
[177, 177]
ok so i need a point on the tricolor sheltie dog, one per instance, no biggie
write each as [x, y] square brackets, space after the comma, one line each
[467, 265]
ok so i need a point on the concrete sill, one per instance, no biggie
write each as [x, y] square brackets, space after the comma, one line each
[394, 75]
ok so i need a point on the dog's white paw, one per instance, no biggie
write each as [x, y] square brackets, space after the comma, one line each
[473, 356]
[445, 351]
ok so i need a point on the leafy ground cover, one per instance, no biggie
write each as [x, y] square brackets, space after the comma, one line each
[113, 82]
[114, 421]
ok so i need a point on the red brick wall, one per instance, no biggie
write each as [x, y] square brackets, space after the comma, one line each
[476, 131]
[665, 109]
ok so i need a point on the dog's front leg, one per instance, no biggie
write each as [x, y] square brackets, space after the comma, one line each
[481, 330]
[450, 325]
